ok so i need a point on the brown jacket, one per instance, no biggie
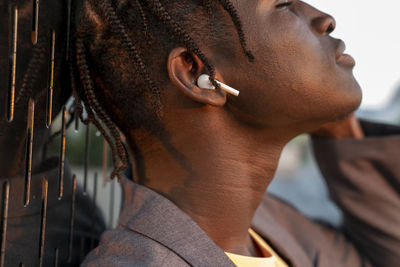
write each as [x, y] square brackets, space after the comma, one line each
[363, 177]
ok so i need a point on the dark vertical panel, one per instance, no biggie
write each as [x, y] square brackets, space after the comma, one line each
[105, 161]
[35, 21]
[4, 217]
[45, 186]
[13, 42]
[82, 249]
[50, 89]
[68, 28]
[28, 153]
[62, 154]
[56, 257]
[93, 235]
[86, 159]
[72, 219]
[111, 211]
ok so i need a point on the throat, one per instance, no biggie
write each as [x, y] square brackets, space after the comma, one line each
[219, 181]
[224, 210]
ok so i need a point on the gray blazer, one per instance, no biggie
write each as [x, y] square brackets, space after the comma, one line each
[363, 177]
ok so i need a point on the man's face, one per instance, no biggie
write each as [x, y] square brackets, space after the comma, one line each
[299, 75]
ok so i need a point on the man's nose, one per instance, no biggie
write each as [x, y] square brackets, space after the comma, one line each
[324, 24]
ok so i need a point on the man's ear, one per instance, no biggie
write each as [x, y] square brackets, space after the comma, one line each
[184, 68]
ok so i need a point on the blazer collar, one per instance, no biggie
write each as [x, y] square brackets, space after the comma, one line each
[152, 215]
[278, 237]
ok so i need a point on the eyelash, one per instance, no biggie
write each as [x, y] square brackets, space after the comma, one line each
[285, 4]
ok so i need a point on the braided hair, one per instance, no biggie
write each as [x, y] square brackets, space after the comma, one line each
[120, 38]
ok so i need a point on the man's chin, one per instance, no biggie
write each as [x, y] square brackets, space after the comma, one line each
[342, 111]
[350, 104]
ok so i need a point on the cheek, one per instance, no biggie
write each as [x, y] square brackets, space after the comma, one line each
[290, 55]
[295, 78]
[288, 66]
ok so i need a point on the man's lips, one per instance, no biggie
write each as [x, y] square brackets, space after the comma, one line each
[344, 59]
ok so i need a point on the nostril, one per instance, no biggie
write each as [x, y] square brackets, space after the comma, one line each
[324, 24]
[330, 28]
[332, 25]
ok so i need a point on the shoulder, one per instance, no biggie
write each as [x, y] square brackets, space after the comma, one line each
[320, 241]
[294, 222]
[124, 247]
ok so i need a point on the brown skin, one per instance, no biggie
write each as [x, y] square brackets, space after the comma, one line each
[347, 128]
[222, 151]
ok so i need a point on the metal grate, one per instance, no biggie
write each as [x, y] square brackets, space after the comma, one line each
[47, 218]
[13, 41]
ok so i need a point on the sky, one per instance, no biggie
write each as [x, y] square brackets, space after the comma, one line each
[371, 31]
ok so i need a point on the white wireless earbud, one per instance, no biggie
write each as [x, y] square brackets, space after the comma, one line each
[204, 83]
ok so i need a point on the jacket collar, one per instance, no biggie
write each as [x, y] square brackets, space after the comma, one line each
[283, 243]
[152, 215]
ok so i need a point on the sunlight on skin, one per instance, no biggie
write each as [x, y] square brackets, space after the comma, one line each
[372, 42]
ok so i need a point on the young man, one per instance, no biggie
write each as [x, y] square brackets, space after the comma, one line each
[202, 159]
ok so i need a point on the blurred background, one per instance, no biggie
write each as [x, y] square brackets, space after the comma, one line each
[370, 31]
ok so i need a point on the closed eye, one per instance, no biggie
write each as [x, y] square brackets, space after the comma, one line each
[285, 3]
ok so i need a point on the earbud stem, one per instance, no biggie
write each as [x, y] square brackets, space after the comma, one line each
[228, 89]
[205, 83]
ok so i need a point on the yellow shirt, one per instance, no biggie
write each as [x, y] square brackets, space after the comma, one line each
[244, 261]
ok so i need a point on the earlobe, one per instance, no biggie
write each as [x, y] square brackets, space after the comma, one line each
[184, 68]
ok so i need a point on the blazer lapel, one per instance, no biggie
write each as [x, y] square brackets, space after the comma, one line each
[152, 215]
[276, 236]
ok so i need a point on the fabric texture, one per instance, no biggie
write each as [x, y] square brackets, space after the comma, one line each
[363, 177]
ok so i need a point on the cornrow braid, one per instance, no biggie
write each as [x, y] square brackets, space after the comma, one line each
[228, 6]
[31, 75]
[91, 100]
[130, 47]
[85, 96]
[78, 111]
[179, 33]
[144, 21]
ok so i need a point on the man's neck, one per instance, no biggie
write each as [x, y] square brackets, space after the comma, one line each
[219, 179]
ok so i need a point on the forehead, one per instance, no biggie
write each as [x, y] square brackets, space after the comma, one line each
[245, 6]
[247, 9]
[252, 2]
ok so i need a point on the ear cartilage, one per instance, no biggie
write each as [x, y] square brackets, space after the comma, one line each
[204, 82]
